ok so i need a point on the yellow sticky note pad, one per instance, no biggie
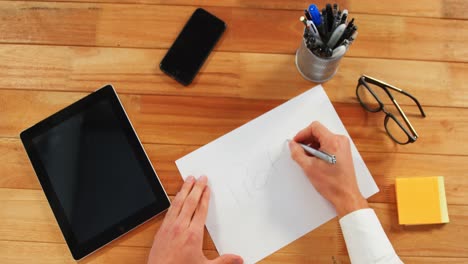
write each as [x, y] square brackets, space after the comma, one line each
[421, 200]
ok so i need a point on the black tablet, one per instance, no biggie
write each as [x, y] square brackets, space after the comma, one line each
[94, 171]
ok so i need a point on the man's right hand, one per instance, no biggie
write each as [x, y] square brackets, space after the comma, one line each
[336, 182]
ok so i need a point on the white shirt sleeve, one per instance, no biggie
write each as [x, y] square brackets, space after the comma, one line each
[366, 240]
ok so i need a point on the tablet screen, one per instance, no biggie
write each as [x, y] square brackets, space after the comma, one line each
[93, 170]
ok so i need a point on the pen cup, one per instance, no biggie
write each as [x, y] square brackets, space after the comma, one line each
[314, 68]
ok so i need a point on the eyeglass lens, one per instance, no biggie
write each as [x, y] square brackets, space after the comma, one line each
[395, 131]
[366, 98]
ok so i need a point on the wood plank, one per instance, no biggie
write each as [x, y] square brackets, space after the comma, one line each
[426, 240]
[385, 167]
[428, 260]
[199, 120]
[419, 8]
[17, 172]
[280, 258]
[245, 75]
[25, 216]
[23, 252]
[58, 253]
[152, 26]
[48, 60]
[38, 224]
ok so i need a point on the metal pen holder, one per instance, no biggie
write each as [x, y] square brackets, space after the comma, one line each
[314, 68]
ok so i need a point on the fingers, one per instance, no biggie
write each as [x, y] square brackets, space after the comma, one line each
[199, 218]
[315, 131]
[192, 200]
[228, 259]
[179, 200]
[298, 154]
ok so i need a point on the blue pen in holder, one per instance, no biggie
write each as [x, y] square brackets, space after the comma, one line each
[315, 68]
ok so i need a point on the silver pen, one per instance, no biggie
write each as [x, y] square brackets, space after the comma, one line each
[319, 154]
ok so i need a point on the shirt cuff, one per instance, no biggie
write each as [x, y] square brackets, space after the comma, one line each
[365, 238]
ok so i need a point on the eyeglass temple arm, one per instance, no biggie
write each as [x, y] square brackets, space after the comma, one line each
[410, 96]
[379, 83]
[406, 118]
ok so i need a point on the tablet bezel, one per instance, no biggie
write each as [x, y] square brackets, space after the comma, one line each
[80, 250]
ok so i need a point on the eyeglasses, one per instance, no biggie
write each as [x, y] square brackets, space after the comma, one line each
[371, 102]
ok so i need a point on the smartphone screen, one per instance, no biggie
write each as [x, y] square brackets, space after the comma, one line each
[193, 45]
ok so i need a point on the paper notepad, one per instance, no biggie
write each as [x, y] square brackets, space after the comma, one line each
[261, 199]
[421, 200]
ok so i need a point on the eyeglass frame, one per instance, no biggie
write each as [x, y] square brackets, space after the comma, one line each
[364, 80]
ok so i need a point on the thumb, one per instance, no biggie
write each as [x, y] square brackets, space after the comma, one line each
[228, 259]
[298, 154]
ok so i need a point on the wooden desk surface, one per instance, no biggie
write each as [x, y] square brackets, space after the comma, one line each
[53, 53]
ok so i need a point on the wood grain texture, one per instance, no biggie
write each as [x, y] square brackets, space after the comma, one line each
[149, 26]
[418, 8]
[37, 224]
[17, 172]
[26, 216]
[227, 74]
[21, 252]
[199, 120]
[53, 53]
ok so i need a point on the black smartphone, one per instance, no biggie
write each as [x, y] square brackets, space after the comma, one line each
[193, 45]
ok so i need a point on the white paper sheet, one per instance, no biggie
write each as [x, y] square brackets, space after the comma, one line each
[261, 199]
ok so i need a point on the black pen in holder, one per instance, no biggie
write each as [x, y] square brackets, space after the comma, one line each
[314, 67]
